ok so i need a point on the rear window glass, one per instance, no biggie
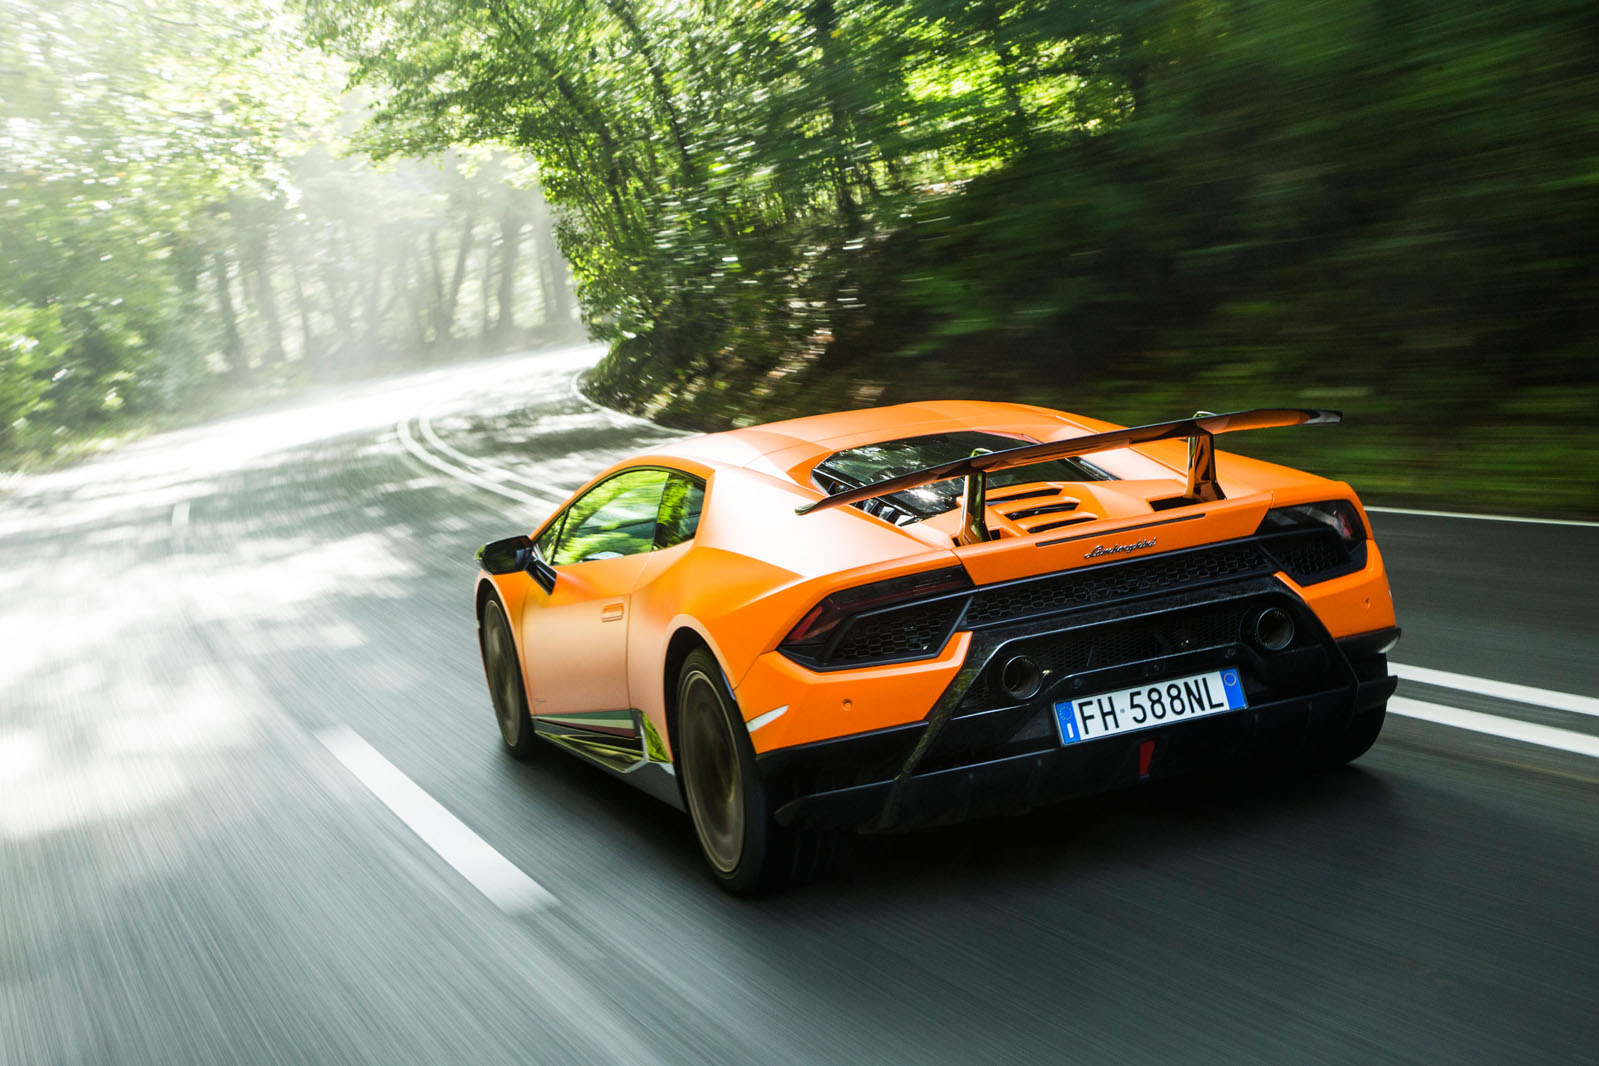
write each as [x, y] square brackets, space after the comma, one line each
[855, 467]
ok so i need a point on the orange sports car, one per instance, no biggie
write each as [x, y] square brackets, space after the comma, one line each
[918, 614]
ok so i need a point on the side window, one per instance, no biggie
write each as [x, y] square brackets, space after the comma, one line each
[680, 510]
[616, 517]
[546, 543]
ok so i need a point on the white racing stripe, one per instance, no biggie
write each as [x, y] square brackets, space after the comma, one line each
[1493, 725]
[1483, 517]
[1539, 697]
[489, 872]
[766, 719]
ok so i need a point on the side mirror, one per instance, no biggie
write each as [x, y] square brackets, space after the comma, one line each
[506, 556]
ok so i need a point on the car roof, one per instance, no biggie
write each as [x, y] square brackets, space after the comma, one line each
[768, 467]
[790, 448]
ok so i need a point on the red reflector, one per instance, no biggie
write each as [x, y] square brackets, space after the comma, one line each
[1146, 751]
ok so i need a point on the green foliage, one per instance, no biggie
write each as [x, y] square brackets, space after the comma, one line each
[774, 206]
[31, 346]
[728, 171]
[1057, 198]
[179, 222]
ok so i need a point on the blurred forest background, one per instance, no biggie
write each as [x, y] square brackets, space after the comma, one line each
[183, 231]
[1133, 208]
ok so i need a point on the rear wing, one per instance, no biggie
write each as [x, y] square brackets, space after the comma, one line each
[1199, 430]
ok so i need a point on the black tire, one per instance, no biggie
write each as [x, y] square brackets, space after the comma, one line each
[504, 674]
[746, 851]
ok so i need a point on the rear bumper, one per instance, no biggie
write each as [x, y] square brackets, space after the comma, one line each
[860, 781]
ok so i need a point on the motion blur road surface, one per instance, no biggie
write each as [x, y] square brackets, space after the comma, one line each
[189, 874]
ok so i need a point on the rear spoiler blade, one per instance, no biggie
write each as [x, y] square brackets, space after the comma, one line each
[1201, 457]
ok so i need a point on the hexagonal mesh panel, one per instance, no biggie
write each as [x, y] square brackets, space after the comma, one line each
[1306, 557]
[1113, 581]
[919, 629]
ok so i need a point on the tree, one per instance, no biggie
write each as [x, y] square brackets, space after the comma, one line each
[180, 211]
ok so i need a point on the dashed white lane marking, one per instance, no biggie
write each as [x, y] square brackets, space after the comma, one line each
[180, 516]
[1493, 725]
[1484, 517]
[1540, 697]
[489, 872]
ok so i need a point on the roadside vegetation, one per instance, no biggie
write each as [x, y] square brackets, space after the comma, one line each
[183, 232]
[1134, 208]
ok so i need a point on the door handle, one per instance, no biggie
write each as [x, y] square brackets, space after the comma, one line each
[611, 612]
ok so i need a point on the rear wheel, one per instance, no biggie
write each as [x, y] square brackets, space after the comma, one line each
[746, 850]
[504, 675]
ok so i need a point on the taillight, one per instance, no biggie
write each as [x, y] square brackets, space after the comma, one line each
[813, 633]
[1338, 515]
[1315, 541]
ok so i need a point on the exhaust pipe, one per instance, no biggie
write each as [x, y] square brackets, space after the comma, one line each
[1274, 629]
[1020, 677]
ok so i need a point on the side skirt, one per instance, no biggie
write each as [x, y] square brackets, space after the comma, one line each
[615, 741]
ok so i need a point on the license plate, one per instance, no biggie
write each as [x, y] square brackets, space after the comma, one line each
[1149, 706]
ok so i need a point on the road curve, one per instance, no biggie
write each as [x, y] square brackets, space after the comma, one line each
[251, 806]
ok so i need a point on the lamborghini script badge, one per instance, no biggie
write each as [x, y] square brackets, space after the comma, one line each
[1100, 549]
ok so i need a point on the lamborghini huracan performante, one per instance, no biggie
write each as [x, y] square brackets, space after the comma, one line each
[925, 613]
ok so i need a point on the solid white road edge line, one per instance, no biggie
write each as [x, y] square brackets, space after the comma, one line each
[494, 473]
[1491, 724]
[403, 431]
[577, 394]
[1484, 517]
[1541, 697]
[489, 872]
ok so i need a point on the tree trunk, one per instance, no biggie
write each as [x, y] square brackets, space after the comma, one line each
[452, 295]
[824, 20]
[1019, 125]
[552, 276]
[419, 316]
[431, 278]
[188, 260]
[484, 290]
[511, 225]
[640, 43]
[232, 343]
[266, 300]
[371, 310]
[339, 306]
[294, 252]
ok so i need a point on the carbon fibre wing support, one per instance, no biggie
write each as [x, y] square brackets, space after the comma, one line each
[1200, 429]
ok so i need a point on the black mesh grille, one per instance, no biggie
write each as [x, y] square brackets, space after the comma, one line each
[919, 629]
[1306, 557]
[1097, 647]
[1107, 582]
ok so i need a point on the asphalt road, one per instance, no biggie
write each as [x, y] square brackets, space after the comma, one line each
[188, 874]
